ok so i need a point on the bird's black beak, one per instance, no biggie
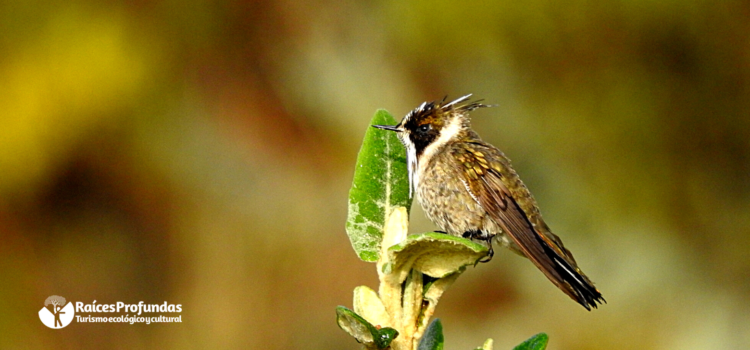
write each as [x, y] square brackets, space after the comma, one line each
[387, 127]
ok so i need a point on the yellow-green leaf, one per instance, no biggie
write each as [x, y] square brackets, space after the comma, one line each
[434, 254]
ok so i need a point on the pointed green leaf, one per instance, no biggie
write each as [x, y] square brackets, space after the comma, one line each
[380, 183]
[355, 325]
[384, 337]
[434, 254]
[363, 331]
[433, 337]
[537, 342]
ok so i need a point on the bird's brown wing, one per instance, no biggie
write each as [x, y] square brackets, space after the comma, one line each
[489, 178]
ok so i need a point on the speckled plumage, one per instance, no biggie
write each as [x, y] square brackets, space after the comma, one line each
[449, 203]
[468, 188]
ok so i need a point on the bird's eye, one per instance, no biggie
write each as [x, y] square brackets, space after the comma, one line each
[424, 128]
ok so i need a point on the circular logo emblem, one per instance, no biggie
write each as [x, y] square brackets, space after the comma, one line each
[57, 312]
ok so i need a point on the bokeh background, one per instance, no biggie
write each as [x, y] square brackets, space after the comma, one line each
[201, 152]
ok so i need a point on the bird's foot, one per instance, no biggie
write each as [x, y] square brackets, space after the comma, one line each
[487, 258]
[481, 236]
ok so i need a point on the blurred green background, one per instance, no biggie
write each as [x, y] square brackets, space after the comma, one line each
[201, 153]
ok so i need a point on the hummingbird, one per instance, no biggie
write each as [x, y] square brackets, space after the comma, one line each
[468, 188]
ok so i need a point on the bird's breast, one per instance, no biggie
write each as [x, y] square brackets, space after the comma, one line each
[447, 202]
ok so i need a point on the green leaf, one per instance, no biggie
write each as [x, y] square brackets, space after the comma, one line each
[385, 336]
[363, 331]
[537, 342]
[433, 337]
[355, 325]
[380, 183]
[434, 254]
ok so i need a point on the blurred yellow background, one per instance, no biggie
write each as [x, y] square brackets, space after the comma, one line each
[201, 153]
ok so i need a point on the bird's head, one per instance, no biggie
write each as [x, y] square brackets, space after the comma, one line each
[427, 128]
